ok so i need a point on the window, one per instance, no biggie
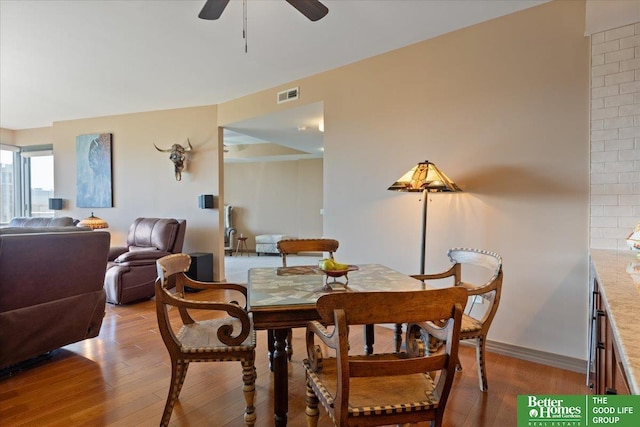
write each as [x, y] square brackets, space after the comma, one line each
[26, 181]
[38, 183]
[9, 177]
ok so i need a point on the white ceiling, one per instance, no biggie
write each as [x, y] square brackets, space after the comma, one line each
[64, 60]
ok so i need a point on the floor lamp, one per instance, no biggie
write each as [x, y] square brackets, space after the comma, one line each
[425, 177]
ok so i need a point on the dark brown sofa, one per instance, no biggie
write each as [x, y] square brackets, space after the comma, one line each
[51, 290]
[22, 225]
[62, 221]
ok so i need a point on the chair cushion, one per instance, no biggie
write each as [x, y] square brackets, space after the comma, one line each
[389, 395]
[141, 249]
[202, 336]
[469, 324]
[469, 327]
[150, 255]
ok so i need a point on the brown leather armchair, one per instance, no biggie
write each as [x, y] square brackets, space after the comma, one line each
[131, 270]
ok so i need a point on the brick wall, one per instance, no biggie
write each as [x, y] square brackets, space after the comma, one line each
[615, 136]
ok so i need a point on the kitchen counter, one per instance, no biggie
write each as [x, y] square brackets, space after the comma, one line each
[618, 274]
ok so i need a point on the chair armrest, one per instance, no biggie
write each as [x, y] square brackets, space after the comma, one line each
[473, 290]
[326, 336]
[450, 272]
[196, 284]
[116, 251]
[224, 332]
[150, 256]
[437, 330]
[314, 352]
[192, 283]
[426, 338]
[478, 290]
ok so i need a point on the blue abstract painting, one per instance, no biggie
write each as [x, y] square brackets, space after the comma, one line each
[93, 171]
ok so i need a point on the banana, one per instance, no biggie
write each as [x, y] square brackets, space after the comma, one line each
[326, 264]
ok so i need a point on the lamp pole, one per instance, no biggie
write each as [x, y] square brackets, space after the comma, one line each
[423, 247]
[425, 177]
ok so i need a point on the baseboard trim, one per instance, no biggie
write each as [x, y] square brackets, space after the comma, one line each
[536, 356]
[530, 355]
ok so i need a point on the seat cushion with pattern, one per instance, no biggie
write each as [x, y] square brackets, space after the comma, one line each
[201, 336]
[469, 324]
[418, 389]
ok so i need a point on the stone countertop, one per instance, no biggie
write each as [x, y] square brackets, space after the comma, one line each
[618, 273]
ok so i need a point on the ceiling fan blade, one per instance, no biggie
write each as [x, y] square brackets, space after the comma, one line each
[312, 9]
[213, 9]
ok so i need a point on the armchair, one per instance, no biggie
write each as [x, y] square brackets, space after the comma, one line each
[486, 284]
[385, 388]
[229, 231]
[228, 336]
[131, 270]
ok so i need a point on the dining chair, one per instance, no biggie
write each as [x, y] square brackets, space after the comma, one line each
[227, 334]
[294, 247]
[484, 297]
[383, 388]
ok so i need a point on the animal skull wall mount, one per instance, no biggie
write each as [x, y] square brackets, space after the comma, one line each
[177, 156]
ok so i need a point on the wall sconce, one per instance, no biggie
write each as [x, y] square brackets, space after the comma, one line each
[205, 201]
[56, 204]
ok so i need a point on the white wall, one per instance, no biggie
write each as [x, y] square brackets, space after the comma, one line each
[615, 135]
[283, 197]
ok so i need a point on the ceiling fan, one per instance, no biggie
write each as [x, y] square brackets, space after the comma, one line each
[312, 9]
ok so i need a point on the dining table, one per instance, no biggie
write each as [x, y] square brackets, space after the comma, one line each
[282, 298]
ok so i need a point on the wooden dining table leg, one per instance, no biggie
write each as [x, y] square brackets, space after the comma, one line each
[397, 337]
[368, 339]
[280, 378]
[270, 346]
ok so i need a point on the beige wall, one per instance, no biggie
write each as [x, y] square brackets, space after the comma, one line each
[36, 136]
[7, 136]
[275, 198]
[143, 178]
[502, 107]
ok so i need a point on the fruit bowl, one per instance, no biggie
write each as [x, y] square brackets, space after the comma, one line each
[334, 274]
[339, 273]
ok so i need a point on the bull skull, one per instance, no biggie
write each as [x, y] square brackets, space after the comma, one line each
[177, 156]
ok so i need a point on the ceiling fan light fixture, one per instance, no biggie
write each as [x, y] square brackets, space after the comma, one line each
[212, 9]
[312, 9]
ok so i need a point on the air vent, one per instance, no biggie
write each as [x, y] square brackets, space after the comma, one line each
[288, 95]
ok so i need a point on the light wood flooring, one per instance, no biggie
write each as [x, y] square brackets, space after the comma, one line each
[121, 378]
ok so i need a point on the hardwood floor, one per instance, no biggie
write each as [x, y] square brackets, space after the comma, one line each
[121, 378]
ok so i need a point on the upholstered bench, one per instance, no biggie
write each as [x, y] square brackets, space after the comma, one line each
[267, 243]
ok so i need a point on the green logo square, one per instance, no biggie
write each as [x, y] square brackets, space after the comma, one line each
[578, 411]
